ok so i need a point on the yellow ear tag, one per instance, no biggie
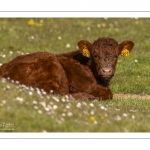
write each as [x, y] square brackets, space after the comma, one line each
[85, 52]
[125, 52]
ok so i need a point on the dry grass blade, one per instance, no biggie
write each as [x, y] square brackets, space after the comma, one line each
[131, 96]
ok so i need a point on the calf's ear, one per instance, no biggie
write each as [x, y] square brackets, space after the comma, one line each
[125, 48]
[85, 48]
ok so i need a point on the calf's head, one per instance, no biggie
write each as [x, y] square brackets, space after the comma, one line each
[103, 55]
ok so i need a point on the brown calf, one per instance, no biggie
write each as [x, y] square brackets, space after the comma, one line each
[82, 74]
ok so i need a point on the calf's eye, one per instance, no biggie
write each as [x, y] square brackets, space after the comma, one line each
[95, 56]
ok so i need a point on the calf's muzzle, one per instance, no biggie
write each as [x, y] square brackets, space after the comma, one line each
[106, 72]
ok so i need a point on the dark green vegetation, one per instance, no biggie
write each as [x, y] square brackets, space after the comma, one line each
[28, 110]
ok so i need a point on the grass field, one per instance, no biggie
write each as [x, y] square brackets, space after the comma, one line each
[25, 109]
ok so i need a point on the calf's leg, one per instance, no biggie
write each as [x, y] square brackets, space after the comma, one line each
[82, 96]
[102, 94]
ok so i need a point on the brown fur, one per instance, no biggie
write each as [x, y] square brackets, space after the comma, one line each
[70, 73]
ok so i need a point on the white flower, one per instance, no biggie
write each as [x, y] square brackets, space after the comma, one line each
[59, 38]
[8, 78]
[111, 25]
[78, 105]
[55, 107]
[133, 110]
[118, 118]
[125, 115]
[92, 112]
[12, 81]
[26, 87]
[67, 97]
[106, 115]
[91, 104]
[3, 56]
[31, 88]
[55, 98]
[135, 60]
[84, 103]
[67, 106]
[88, 28]
[3, 80]
[69, 114]
[63, 114]
[63, 99]
[32, 37]
[43, 92]
[98, 25]
[103, 108]
[11, 52]
[133, 117]
[41, 21]
[48, 97]
[117, 109]
[103, 25]
[43, 104]
[95, 122]
[51, 91]
[51, 103]
[40, 111]
[17, 82]
[68, 45]
[8, 87]
[35, 107]
[34, 102]
[4, 101]
[46, 108]
[20, 99]
[38, 91]
[30, 93]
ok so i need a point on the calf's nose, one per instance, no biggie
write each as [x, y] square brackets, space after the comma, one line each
[106, 71]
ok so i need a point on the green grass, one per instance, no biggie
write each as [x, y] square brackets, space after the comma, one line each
[28, 110]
